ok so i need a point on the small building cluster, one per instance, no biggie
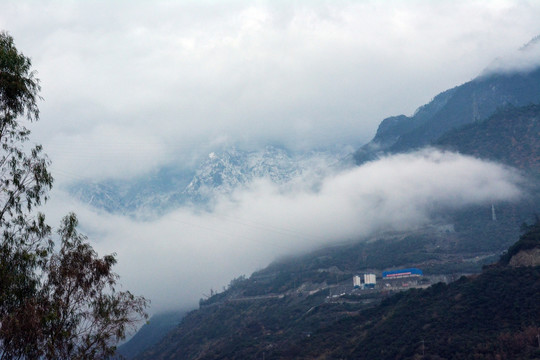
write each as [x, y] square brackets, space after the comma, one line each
[368, 282]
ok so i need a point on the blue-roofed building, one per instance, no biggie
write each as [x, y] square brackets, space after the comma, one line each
[401, 273]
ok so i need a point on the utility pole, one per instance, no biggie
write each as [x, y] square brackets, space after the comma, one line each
[423, 347]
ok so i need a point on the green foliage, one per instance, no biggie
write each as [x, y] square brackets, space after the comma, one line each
[55, 303]
[18, 86]
[85, 315]
[24, 182]
[453, 320]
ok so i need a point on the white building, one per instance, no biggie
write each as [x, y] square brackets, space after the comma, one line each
[356, 281]
[370, 279]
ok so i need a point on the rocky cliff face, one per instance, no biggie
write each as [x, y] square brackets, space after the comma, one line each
[529, 257]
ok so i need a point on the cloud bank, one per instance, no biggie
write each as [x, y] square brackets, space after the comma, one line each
[130, 86]
[175, 259]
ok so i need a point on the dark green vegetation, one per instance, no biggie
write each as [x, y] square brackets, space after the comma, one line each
[239, 329]
[157, 327]
[56, 302]
[465, 104]
[492, 314]
[496, 313]
[527, 243]
[509, 136]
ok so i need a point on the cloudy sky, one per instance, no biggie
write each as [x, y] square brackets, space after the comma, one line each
[130, 86]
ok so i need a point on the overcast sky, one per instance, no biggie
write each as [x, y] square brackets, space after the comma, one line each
[130, 86]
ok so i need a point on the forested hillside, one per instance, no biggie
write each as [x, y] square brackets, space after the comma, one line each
[492, 314]
[511, 136]
[465, 104]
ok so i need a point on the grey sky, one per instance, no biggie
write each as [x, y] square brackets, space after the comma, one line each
[130, 86]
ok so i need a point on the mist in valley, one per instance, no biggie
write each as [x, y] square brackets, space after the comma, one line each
[133, 87]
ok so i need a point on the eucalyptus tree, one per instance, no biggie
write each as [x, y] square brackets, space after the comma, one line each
[24, 181]
[56, 301]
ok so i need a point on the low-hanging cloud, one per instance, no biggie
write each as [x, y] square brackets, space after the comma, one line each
[524, 59]
[173, 260]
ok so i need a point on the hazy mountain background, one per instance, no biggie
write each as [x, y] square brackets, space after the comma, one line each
[454, 241]
[220, 174]
[495, 313]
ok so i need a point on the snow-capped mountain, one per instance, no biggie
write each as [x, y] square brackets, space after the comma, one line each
[223, 172]
[156, 191]
[219, 174]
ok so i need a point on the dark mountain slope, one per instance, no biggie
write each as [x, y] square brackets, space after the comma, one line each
[528, 244]
[494, 314]
[152, 332]
[465, 104]
[510, 136]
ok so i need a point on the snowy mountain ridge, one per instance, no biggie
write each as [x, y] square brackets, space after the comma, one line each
[219, 174]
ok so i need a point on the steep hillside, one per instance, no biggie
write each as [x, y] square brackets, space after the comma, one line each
[152, 332]
[511, 136]
[526, 251]
[492, 314]
[465, 104]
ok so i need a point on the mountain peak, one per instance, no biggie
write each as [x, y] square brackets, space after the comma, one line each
[525, 59]
[535, 41]
[469, 103]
